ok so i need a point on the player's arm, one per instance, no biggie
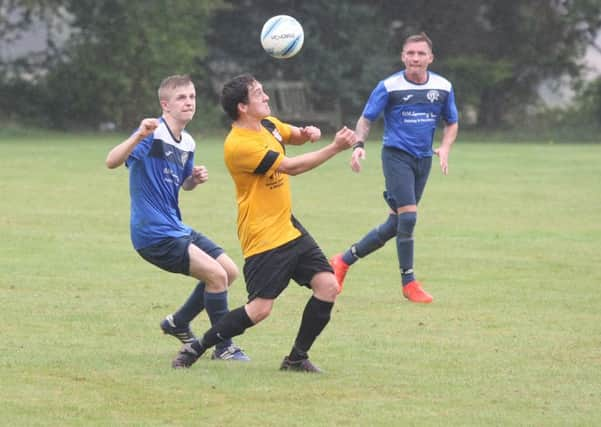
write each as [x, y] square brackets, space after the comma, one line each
[199, 175]
[300, 135]
[362, 131]
[118, 155]
[344, 139]
[449, 135]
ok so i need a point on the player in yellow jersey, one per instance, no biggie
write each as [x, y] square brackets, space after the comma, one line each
[275, 245]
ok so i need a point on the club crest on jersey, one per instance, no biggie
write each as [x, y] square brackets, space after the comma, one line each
[184, 157]
[433, 95]
[277, 135]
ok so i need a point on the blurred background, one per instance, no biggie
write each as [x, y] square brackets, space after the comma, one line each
[523, 67]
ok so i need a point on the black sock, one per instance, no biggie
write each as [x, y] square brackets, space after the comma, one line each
[232, 324]
[193, 305]
[315, 318]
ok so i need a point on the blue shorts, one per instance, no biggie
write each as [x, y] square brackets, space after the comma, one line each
[405, 177]
[171, 254]
[268, 273]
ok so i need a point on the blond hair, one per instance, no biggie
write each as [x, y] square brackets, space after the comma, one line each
[172, 82]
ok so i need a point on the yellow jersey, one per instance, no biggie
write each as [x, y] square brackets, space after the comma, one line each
[262, 193]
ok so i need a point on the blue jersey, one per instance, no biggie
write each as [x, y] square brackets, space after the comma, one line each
[412, 111]
[157, 168]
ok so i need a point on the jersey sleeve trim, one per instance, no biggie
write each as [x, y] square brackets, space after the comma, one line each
[267, 162]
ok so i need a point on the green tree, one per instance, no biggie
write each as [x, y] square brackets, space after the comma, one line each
[345, 49]
[496, 52]
[118, 53]
[587, 108]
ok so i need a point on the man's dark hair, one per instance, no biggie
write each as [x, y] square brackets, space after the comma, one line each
[234, 92]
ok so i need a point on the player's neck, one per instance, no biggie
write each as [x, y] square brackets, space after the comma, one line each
[247, 122]
[418, 77]
[175, 126]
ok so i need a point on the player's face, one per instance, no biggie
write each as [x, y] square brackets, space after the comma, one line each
[258, 101]
[417, 56]
[181, 104]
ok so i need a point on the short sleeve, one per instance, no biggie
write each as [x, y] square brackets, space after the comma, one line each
[376, 103]
[141, 149]
[255, 157]
[449, 113]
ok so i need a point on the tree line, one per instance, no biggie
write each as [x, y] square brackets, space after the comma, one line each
[496, 53]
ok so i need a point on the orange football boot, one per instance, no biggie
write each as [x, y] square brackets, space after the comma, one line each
[340, 268]
[413, 292]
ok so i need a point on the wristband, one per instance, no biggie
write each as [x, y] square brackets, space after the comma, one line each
[358, 144]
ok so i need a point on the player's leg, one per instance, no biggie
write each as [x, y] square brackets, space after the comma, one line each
[406, 185]
[314, 271]
[374, 239]
[211, 265]
[204, 268]
[178, 323]
[234, 323]
[371, 242]
[171, 255]
[266, 275]
[407, 217]
[229, 266]
[195, 302]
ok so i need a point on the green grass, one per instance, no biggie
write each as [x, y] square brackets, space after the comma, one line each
[509, 245]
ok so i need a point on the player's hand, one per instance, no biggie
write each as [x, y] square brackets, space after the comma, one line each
[443, 156]
[147, 126]
[345, 138]
[310, 133]
[200, 174]
[356, 157]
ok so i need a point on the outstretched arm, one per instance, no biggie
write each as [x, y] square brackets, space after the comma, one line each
[362, 132]
[344, 139]
[118, 155]
[449, 134]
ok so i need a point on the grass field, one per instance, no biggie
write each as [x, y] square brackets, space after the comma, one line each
[509, 244]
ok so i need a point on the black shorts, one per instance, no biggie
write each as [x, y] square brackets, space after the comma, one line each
[267, 274]
[171, 254]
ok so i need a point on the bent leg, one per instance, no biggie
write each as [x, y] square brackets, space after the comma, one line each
[195, 302]
[372, 241]
[203, 267]
[236, 322]
[216, 278]
[230, 267]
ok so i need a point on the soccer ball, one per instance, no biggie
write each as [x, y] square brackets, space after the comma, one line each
[282, 36]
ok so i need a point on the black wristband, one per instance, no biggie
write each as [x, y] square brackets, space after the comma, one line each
[358, 144]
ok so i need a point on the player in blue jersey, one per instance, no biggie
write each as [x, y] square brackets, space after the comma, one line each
[160, 159]
[413, 101]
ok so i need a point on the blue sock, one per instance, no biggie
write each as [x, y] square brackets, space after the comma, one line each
[372, 241]
[193, 305]
[216, 306]
[404, 245]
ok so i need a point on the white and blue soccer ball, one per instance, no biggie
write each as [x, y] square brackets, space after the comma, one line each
[282, 36]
